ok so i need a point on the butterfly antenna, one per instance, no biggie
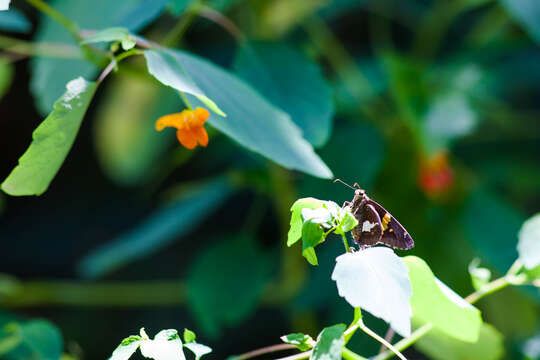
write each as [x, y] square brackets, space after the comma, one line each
[344, 183]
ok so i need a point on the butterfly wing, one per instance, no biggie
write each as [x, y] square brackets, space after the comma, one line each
[394, 234]
[369, 229]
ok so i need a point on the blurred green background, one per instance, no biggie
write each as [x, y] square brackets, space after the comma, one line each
[431, 106]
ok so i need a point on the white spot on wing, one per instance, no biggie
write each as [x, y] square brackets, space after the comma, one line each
[367, 226]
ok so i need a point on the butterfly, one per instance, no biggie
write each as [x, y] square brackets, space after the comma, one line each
[375, 224]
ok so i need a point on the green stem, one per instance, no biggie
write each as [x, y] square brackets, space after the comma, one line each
[496, 285]
[177, 32]
[354, 325]
[345, 243]
[303, 355]
[57, 50]
[185, 99]
[60, 18]
[405, 343]
[374, 335]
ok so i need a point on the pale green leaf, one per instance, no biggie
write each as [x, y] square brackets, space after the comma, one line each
[529, 242]
[440, 346]
[127, 347]
[189, 336]
[120, 34]
[292, 82]
[302, 341]
[383, 289]
[251, 120]
[330, 343]
[198, 349]
[295, 231]
[51, 142]
[433, 302]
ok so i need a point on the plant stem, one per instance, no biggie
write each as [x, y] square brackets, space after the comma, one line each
[264, 350]
[374, 335]
[220, 19]
[303, 355]
[178, 31]
[60, 18]
[405, 343]
[388, 337]
[58, 50]
[345, 243]
[185, 99]
[496, 285]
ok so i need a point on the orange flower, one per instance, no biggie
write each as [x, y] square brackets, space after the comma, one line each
[190, 125]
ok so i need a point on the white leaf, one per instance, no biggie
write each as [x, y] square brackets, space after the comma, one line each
[529, 242]
[376, 280]
[198, 349]
[126, 348]
[165, 346]
[4, 4]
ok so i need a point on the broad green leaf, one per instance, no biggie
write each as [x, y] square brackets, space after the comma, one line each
[127, 347]
[120, 34]
[221, 291]
[309, 253]
[189, 336]
[6, 75]
[302, 341]
[49, 75]
[166, 345]
[14, 21]
[4, 4]
[295, 231]
[383, 289]
[529, 242]
[164, 226]
[129, 148]
[293, 83]
[492, 225]
[164, 67]
[479, 276]
[526, 13]
[433, 302]
[51, 142]
[312, 234]
[330, 343]
[198, 349]
[439, 346]
[39, 339]
[251, 120]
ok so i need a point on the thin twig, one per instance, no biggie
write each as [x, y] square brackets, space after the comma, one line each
[264, 350]
[220, 19]
[374, 335]
[303, 355]
[388, 337]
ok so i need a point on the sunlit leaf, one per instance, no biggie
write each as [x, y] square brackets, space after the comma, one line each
[292, 82]
[439, 346]
[312, 234]
[166, 345]
[119, 34]
[14, 21]
[529, 242]
[251, 120]
[49, 75]
[221, 291]
[164, 226]
[189, 336]
[433, 302]
[198, 349]
[51, 142]
[295, 231]
[330, 343]
[301, 341]
[127, 347]
[527, 13]
[376, 280]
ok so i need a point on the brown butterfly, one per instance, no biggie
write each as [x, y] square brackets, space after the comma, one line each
[375, 224]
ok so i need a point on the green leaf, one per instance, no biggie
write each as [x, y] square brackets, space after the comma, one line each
[221, 291]
[526, 13]
[534, 274]
[166, 345]
[49, 75]
[383, 276]
[198, 349]
[4, 4]
[39, 339]
[189, 336]
[312, 234]
[433, 302]
[529, 242]
[251, 120]
[127, 347]
[310, 255]
[6, 75]
[164, 67]
[348, 221]
[292, 82]
[295, 231]
[163, 227]
[439, 346]
[14, 21]
[302, 341]
[112, 34]
[9, 342]
[129, 148]
[330, 343]
[479, 276]
[177, 7]
[51, 142]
